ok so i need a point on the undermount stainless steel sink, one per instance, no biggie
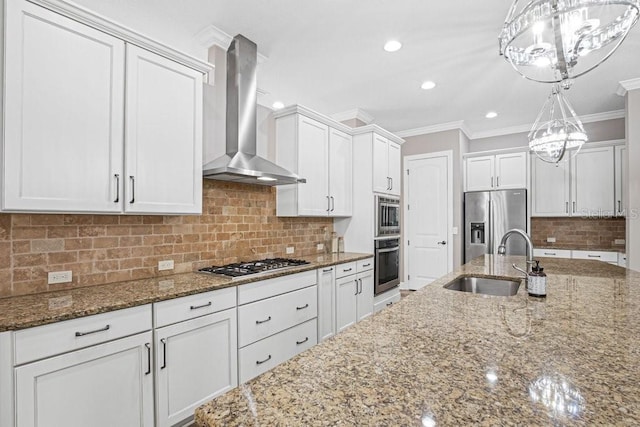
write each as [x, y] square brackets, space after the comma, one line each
[484, 285]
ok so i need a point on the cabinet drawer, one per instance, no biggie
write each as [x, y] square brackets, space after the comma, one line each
[267, 288]
[267, 317]
[263, 355]
[48, 340]
[597, 255]
[552, 253]
[386, 302]
[346, 269]
[364, 265]
[185, 308]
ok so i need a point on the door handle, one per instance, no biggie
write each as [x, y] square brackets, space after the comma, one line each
[164, 353]
[444, 242]
[356, 282]
[333, 204]
[148, 346]
[117, 199]
[328, 204]
[133, 188]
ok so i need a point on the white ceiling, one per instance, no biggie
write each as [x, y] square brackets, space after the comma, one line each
[328, 56]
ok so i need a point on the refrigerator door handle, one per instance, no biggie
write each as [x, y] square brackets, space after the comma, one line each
[489, 232]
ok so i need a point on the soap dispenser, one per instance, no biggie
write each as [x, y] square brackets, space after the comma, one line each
[537, 281]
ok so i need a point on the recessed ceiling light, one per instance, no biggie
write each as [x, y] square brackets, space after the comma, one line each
[278, 105]
[491, 115]
[428, 85]
[392, 46]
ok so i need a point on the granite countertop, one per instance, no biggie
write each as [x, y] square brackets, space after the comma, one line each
[442, 357]
[26, 311]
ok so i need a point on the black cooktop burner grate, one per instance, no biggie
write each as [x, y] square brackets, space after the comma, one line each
[243, 268]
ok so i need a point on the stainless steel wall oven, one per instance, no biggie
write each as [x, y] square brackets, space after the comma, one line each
[387, 264]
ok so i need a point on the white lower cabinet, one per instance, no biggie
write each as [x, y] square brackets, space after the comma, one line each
[552, 253]
[326, 303]
[610, 257]
[354, 295]
[386, 299]
[195, 361]
[108, 383]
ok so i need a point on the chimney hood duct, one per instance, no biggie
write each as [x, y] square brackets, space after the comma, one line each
[241, 163]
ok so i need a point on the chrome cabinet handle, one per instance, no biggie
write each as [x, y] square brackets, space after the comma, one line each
[263, 321]
[389, 183]
[260, 362]
[389, 303]
[81, 334]
[327, 270]
[593, 256]
[356, 282]
[491, 182]
[117, 176]
[574, 207]
[303, 341]
[366, 265]
[133, 188]
[360, 291]
[566, 207]
[619, 206]
[328, 204]
[333, 203]
[164, 353]
[444, 242]
[497, 181]
[550, 253]
[391, 186]
[303, 307]
[148, 358]
[344, 270]
[196, 307]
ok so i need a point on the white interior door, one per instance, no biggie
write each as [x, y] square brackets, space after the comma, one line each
[429, 213]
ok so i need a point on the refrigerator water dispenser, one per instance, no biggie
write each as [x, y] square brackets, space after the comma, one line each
[477, 232]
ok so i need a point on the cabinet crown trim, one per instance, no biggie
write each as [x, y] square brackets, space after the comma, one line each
[92, 19]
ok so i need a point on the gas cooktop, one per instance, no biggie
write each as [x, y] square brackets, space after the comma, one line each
[241, 269]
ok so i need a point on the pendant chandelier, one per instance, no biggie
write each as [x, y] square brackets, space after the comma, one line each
[557, 128]
[553, 40]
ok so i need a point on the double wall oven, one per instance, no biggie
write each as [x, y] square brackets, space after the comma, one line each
[387, 243]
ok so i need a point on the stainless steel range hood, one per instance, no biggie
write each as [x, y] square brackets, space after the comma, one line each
[241, 162]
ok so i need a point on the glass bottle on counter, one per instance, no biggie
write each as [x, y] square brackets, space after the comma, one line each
[537, 281]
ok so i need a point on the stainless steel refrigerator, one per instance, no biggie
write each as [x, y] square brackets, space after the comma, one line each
[488, 215]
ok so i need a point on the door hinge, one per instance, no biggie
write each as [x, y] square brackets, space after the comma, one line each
[407, 171]
[408, 207]
[408, 242]
[408, 277]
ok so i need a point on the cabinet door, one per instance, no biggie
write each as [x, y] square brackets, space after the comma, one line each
[64, 114]
[107, 385]
[550, 183]
[163, 135]
[196, 360]
[395, 165]
[381, 178]
[326, 303]
[340, 173]
[313, 165]
[511, 171]
[593, 182]
[479, 173]
[365, 296]
[620, 178]
[346, 297]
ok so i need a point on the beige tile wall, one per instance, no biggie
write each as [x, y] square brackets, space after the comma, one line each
[579, 233]
[238, 223]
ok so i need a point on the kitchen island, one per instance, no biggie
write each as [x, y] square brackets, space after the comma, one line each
[443, 357]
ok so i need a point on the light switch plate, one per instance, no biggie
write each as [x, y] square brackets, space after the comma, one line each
[165, 265]
[551, 239]
[454, 230]
[290, 250]
[320, 246]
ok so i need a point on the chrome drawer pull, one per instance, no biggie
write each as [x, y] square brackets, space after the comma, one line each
[327, 270]
[303, 307]
[303, 341]
[347, 269]
[550, 253]
[164, 353]
[593, 256]
[263, 321]
[389, 303]
[260, 362]
[366, 265]
[81, 334]
[195, 307]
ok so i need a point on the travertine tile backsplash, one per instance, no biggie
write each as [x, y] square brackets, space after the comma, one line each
[579, 233]
[238, 223]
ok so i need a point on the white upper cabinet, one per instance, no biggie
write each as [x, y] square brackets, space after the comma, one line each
[73, 112]
[579, 186]
[320, 154]
[64, 114]
[386, 166]
[496, 172]
[163, 135]
[593, 182]
[620, 178]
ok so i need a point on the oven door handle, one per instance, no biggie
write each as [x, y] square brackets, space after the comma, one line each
[382, 251]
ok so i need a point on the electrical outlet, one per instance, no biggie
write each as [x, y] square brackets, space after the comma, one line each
[619, 241]
[165, 265]
[60, 277]
[551, 239]
[320, 246]
[290, 250]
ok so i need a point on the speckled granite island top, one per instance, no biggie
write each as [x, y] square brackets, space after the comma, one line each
[39, 309]
[448, 358]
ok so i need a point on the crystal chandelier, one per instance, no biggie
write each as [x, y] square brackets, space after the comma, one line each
[557, 128]
[554, 40]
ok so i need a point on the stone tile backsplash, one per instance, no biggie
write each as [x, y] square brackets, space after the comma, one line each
[579, 233]
[238, 223]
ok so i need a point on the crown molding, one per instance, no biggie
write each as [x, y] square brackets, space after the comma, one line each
[459, 125]
[214, 36]
[627, 85]
[356, 113]
[378, 130]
